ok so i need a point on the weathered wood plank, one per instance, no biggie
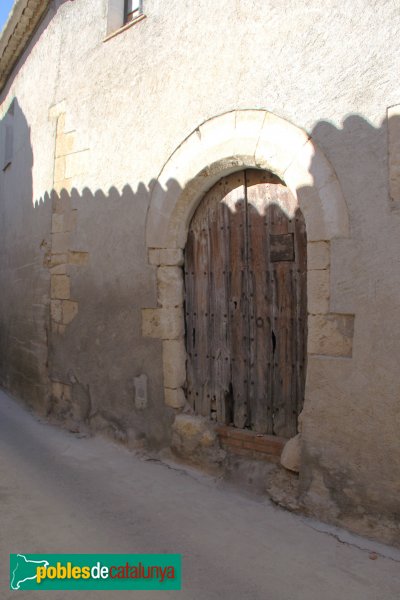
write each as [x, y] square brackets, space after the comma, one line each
[190, 324]
[200, 356]
[301, 317]
[238, 304]
[220, 373]
[260, 389]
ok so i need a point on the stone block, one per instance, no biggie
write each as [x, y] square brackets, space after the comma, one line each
[65, 144]
[194, 438]
[214, 131]
[60, 390]
[278, 143]
[59, 243]
[174, 363]
[331, 334]
[56, 310]
[61, 122]
[191, 430]
[57, 109]
[63, 185]
[57, 260]
[59, 169]
[230, 135]
[163, 323]
[57, 223]
[170, 286]
[167, 257]
[318, 292]
[56, 389]
[189, 425]
[154, 256]
[249, 122]
[171, 257]
[309, 203]
[78, 258]
[58, 270]
[291, 453]
[60, 287]
[321, 199]
[69, 311]
[174, 398]
[70, 220]
[317, 255]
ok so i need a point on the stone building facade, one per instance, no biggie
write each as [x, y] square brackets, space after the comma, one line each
[111, 134]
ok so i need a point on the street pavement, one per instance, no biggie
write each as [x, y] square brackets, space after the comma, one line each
[62, 493]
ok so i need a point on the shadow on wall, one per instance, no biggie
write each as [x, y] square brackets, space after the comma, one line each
[74, 276]
[72, 291]
[24, 282]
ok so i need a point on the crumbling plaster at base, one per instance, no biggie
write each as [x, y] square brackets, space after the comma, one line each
[234, 141]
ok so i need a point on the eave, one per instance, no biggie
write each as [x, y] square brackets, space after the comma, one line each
[22, 22]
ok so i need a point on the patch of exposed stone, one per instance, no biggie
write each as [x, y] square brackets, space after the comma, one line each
[195, 440]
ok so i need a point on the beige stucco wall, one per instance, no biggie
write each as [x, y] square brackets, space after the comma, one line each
[332, 70]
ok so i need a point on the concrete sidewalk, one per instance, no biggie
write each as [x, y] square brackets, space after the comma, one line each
[61, 493]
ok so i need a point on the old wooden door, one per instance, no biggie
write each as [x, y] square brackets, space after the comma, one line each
[246, 305]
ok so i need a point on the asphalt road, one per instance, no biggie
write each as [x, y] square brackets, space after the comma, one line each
[63, 494]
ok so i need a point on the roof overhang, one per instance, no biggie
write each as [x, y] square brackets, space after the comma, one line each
[22, 22]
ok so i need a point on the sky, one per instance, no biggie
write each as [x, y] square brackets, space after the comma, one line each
[5, 7]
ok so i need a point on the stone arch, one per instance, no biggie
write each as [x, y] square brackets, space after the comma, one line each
[221, 145]
[237, 140]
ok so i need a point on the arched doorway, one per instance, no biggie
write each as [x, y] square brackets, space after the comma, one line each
[246, 304]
